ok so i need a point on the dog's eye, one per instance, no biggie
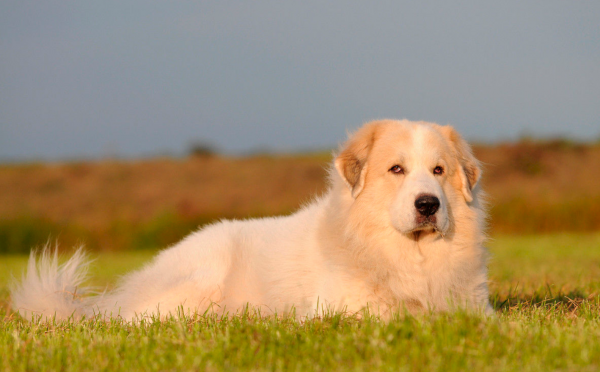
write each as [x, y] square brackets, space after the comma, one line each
[397, 169]
[438, 170]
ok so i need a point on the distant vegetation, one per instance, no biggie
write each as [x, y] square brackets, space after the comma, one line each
[533, 186]
[201, 149]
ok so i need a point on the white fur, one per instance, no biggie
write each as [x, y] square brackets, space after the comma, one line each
[344, 251]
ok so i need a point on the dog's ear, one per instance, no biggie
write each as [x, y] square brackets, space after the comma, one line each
[351, 163]
[470, 170]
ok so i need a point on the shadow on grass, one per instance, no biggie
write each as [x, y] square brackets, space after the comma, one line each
[570, 301]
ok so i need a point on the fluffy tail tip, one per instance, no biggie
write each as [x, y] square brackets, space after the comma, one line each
[48, 290]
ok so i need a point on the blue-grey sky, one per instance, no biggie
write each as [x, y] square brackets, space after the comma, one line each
[140, 77]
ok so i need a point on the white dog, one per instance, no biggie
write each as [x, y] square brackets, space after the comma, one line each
[401, 227]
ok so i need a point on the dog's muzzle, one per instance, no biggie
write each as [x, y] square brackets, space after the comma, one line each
[427, 205]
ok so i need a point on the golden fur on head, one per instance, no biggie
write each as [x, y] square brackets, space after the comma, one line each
[469, 166]
[350, 163]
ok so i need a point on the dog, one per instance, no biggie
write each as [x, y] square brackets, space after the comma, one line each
[401, 228]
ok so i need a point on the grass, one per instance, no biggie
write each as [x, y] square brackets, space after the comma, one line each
[545, 289]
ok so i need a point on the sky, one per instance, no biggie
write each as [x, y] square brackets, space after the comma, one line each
[91, 79]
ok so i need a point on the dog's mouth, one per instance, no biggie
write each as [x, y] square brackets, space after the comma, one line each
[425, 221]
[419, 233]
[425, 226]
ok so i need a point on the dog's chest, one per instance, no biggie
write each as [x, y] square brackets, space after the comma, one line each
[417, 279]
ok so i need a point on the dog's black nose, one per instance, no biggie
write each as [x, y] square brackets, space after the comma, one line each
[427, 205]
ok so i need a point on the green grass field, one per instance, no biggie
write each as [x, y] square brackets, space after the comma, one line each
[545, 290]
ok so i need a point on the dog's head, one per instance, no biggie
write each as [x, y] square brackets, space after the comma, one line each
[415, 172]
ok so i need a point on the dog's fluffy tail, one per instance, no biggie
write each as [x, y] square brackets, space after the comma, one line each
[49, 290]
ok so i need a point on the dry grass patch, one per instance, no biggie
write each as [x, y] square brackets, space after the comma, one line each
[111, 205]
